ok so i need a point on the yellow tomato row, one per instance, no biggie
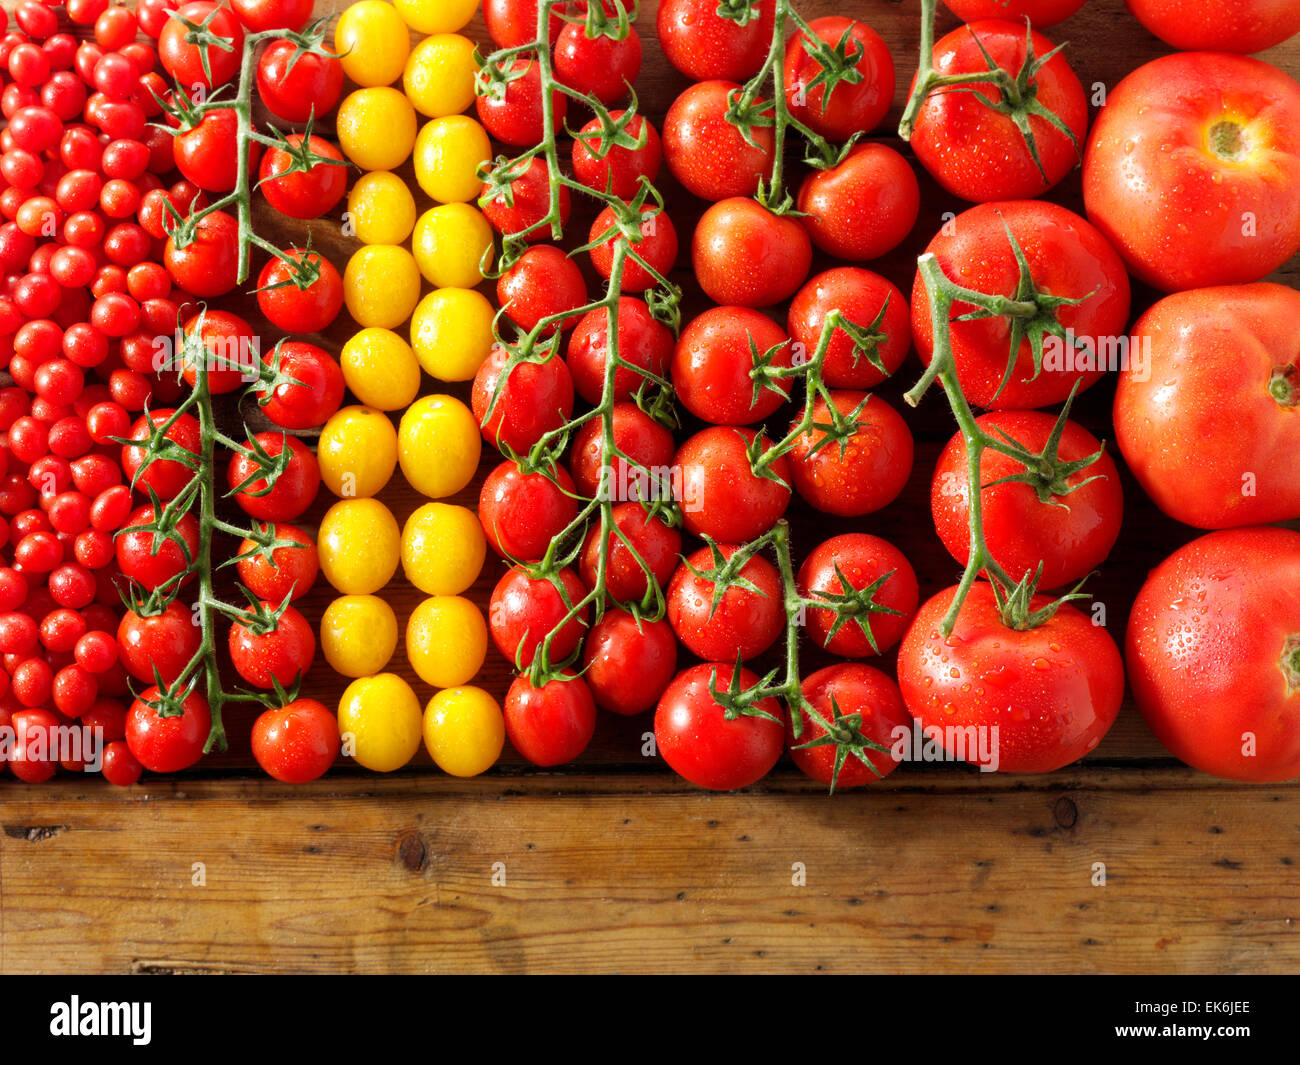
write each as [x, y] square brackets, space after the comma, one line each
[372, 39]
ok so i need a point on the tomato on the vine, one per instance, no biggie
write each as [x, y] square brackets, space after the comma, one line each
[297, 742]
[604, 68]
[296, 308]
[207, 153]
[643, 450]
[628, 661]
[844, 565]
[860, 297]
[552, 724]
[643, 341]
[208, 264]
[745, 254]
[617, 168]
[192, 64]
[1218, 25]
[743, 620]
[715, 357]
[542, 283]
[657, 245]
[720, 494]
[518, 410]
[302, 387]
[166, 641]
[281, 655]
[295, 84]
[522, 513]
[172, 743]
[152, 565]
[522, 202]
[862, 207]
[300, 193]
[512, 111]
[843, 691]
[294, 489]
[656, 542]
[165, 477]
[524, 609]
[703, 44]
[852, 108]
[705, 152]
[287, 570]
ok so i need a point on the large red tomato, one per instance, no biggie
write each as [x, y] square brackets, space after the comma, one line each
[1213, 653]
[1017, 701]
[861, 297]
[714, 358]
[1219, 25]
[1067, 257]
[705, 152]
[703, 44]
[744, 254]
[864, 206]
[1193, 170]
[1211, 428]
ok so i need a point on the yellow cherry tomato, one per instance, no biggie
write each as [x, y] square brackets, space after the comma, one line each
[372, 42]
[376, 128]
[358, 635]
[357, 452]
[436, 16]
[381, 285]
[381, 370]
[464, 731]
[438, 445]
[359, 544]
[439, 76]
[448, 153]
[451, 331]
[379, 720]
[452, 245]
[442, 549]
[446, 640]
[381, 208]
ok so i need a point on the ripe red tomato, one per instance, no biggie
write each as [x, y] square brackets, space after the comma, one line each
[208, 265]
[1220, 397]
[552, 724]
[226, 346]
[604, 68]
[643, 341]
[296, 85]
[167, 640]
[150, 567]
[1070, 535]
[296, 743]
[306, 386]
[1039, 12]
[863, 207]
[282, 655]
[513, 113]
[849, 688]
[535, 399]
[185, 62]
[261, 15]
[1193, 170]
[705, 152]
[520, 206]
[522, 513]
[861, 560]
[523, 610]
[300, 194]
[860, 296]
[33, 755]
[1051, 692]
[207, 154]
[1067, 257]
[852, 108]
[542, 283]
[294, 488]
[617, 168]
[644, 450]
[121, 767]
[713, 360]
[700, 743]
[744, 254]
[978, 153]
[167, 744]
[628, 662]
[1219, 25]
[658, 544]
[297, 310]
[703, 44]
[1213, 653]
[861, 474]
[657, 246]
[288, 570]
[166, 477]
[511, 23]
[746, 619]
[720, 495]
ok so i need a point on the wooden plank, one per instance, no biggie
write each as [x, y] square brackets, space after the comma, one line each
[639, 874]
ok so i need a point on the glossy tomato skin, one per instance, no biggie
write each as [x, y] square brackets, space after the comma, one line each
[1219, 25]
[852, 688]
[206, 267]
[1071, 536]
[206, 155]
[721, 497]
[647, 445]
[862, 559]
[1193, 190]
[542, 283]
[864, 206]
[31, 756]
[604, 68]
[713, 359]
[980, 155]
[297, 742]
[515, 116]
[699, 743]
[853, 108]
[137, 559]
[1067, 257]
[167, 640]
[259, 15]
[291, 569]
[534, 399]
[296, 85]
[1213, 653]
[313, 391]
[619, 169]
[658, 544]
[294, 489]
[745, 622]
[643, 341]
[860, 296]
[299, 194]
[859, 475]
[1052, 692]
[628, 663]
[282, 655]
[167, 744]
[1040, 12]
[745, 255]
[522, 513]
[705, 152]
[657, 246]
[165, 477]
[552, 724]
[184, 61]
[523, 610]
[1211, 429]
[300, 311]
[524, 203]
[703, 45]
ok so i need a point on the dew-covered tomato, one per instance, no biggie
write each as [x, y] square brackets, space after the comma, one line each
[861, 473]
[295, 306]
[172, 743]
[524, 609]
[1218, 25]
[542, 283]
[978, 153]
[1067, 257]
[837, 570]
[191, 64]
[294, 488]
[705, 152]
[656, 245]
[297, 742]
[745, 619]
[604, 67]
[1051, 692]
[1193, 170]
[513, 112]
[289, 569]
[165, 477]
[845, 690]
[720, 494]
[1069, 532]
[282, 654]
[644, 455]
[166, 641]
[611, 165]
[151, 564]
[301, 193]
[745, 255]
[657, 543]
[1213, 653]
[1211, 427]
[295, 85]
[857, 107]
[302, 385]
[517, 410]
[714, 360]
[628, 661]
[523, 200]
[864, 206]
[703, 44]
[226, 344]
[703, 744]
[861, 297]
[208, 264]
[1039, 12]
[643, 341]
[522, 513]
[552, 724]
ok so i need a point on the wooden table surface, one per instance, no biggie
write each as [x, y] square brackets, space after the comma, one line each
[1126, 862]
